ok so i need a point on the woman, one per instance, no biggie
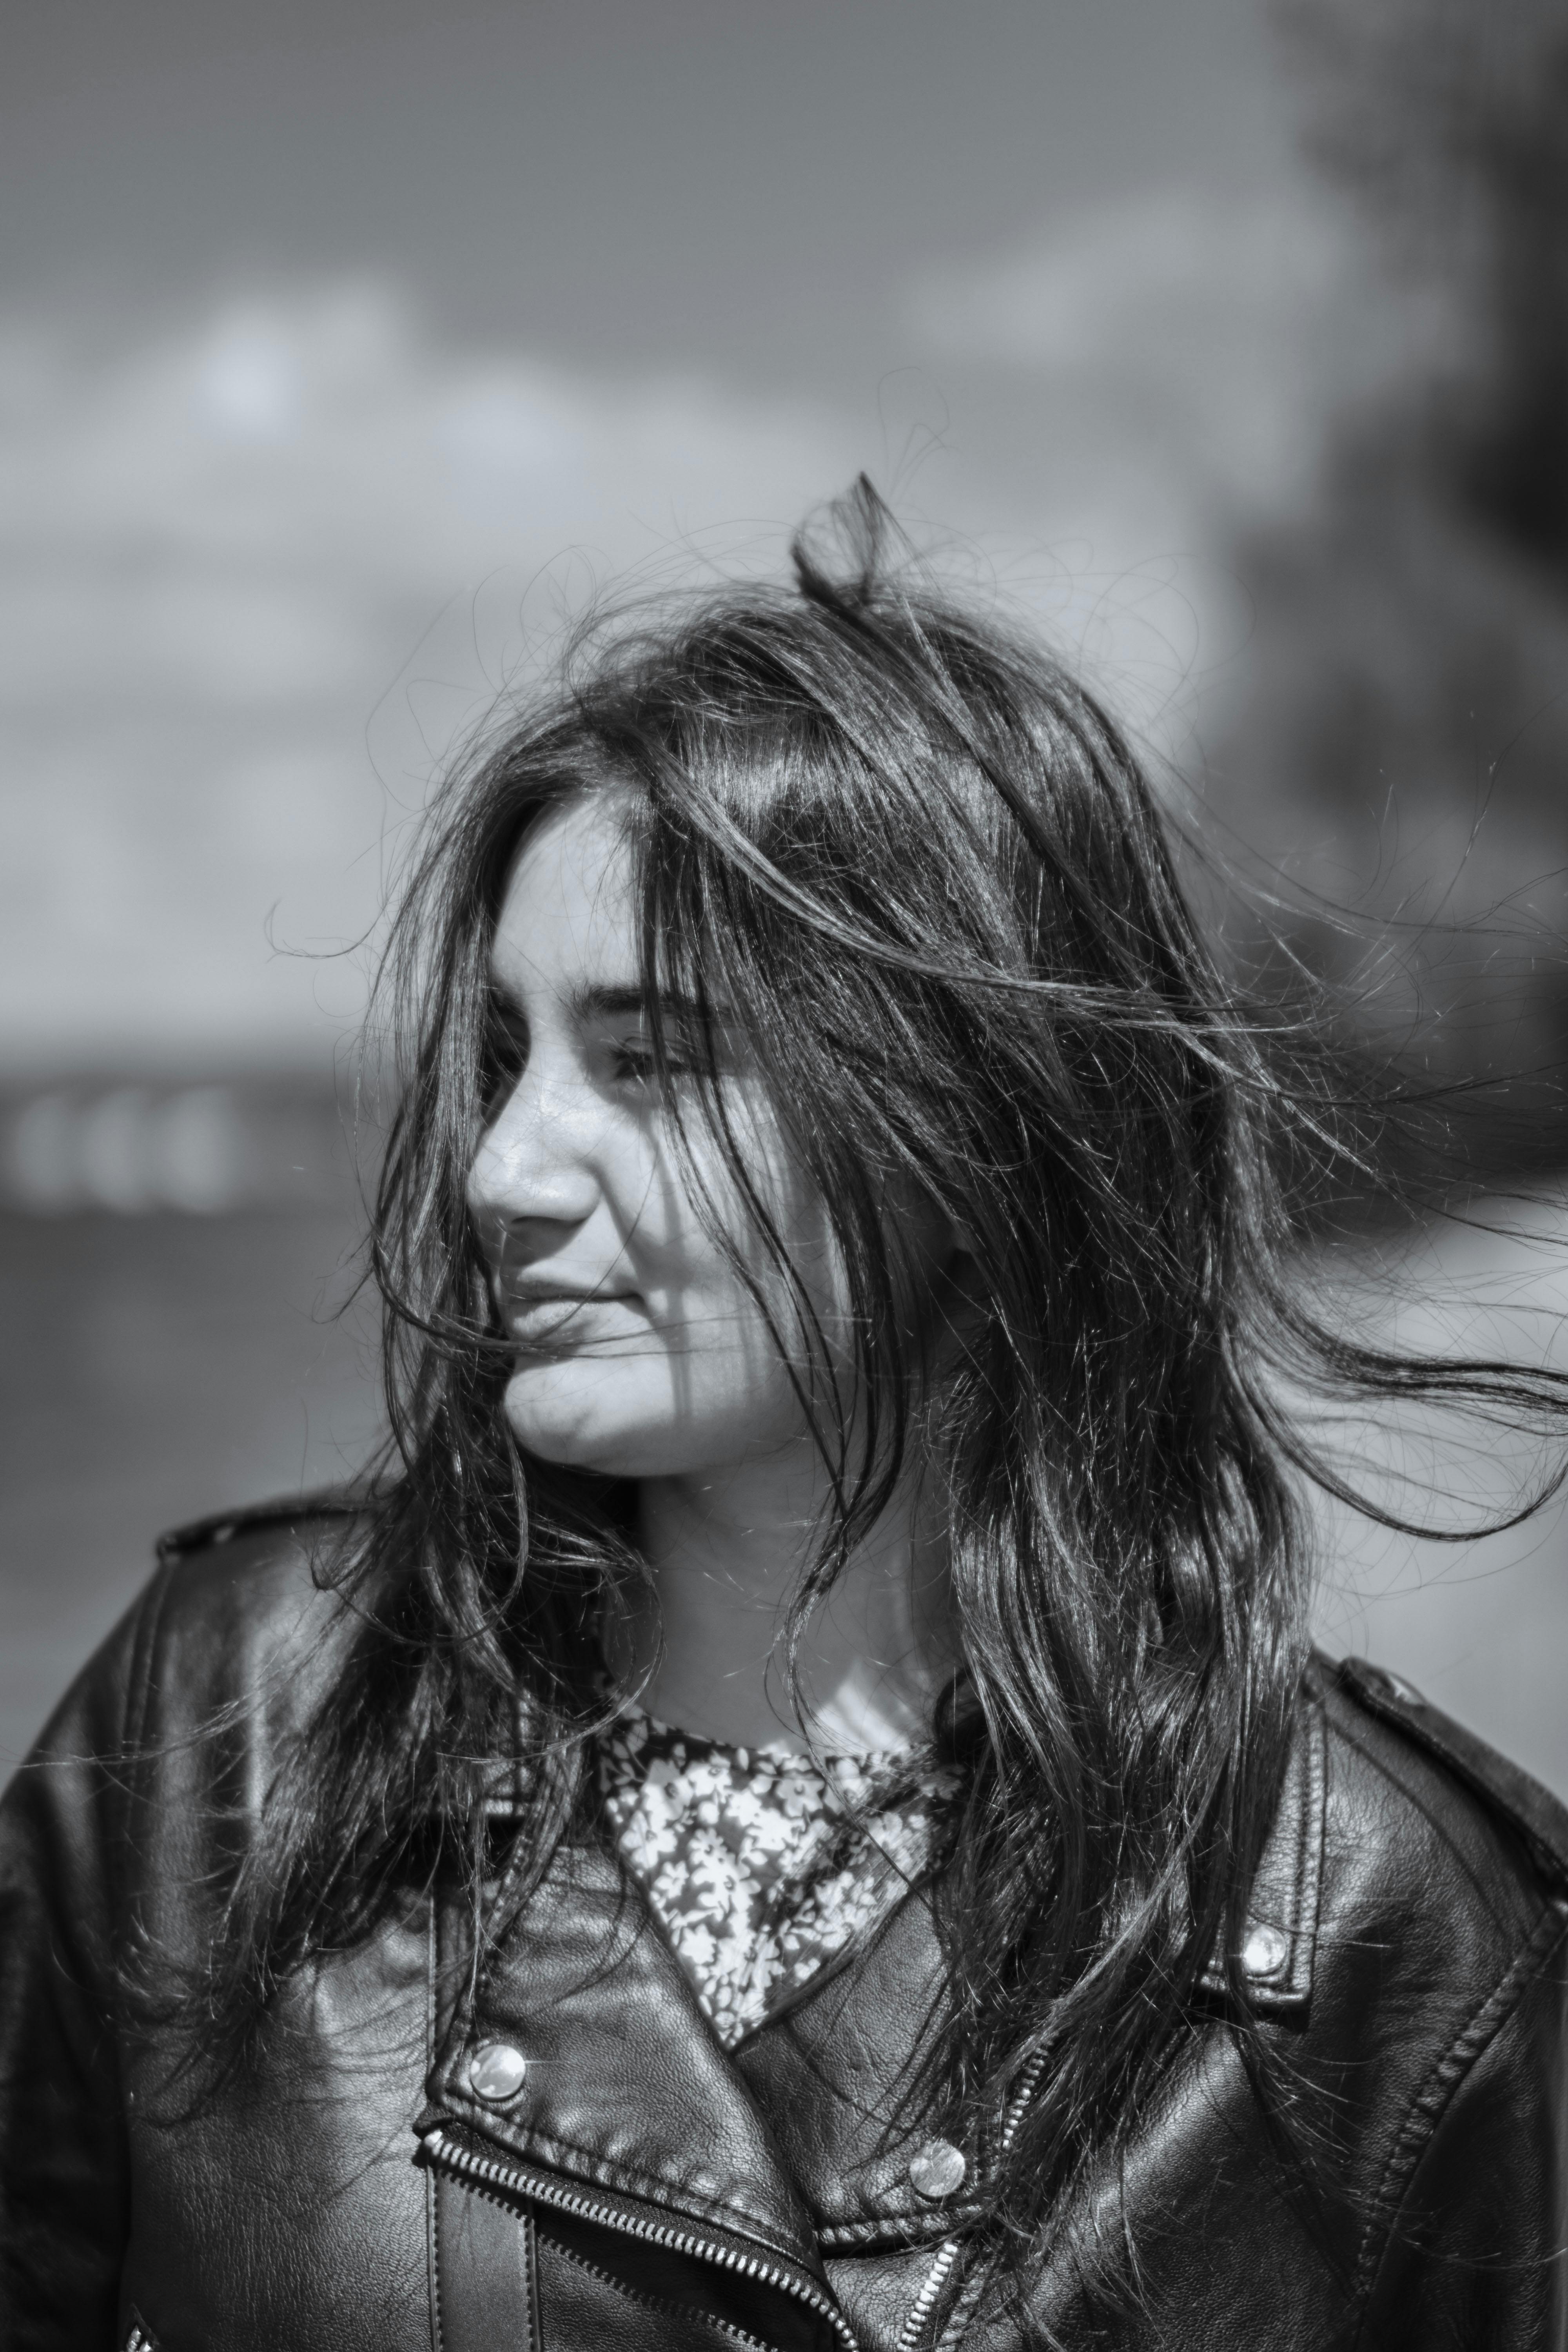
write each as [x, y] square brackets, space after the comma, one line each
[798, 1811]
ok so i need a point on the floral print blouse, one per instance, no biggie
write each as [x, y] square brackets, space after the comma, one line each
[761, 1864]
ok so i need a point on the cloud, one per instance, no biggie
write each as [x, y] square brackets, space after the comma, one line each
[1201, 339]
[258, 570]
[228, 550]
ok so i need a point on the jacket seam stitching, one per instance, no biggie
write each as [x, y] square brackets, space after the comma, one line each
[432, 2225]
[900, 2232]
[130, 1762]
[531, 2288]
[133, 1724]
[1424, 2113]
[433, 2241]
[1310, 1883]
[505, 2204]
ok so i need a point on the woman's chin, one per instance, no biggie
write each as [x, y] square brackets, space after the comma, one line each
[577, 1427]
[631, 1418]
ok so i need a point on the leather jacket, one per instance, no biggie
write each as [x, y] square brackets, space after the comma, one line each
[567, 2161]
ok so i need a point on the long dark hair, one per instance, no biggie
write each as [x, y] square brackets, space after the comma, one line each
[920, 867]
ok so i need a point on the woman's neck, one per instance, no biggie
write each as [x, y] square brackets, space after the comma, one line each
[726, 1551]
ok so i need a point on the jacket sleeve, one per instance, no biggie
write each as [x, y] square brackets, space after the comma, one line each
[64, 2200]
[1472, 2247]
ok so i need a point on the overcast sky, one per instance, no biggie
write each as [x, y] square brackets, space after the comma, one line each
[731, 184]
[336, 353]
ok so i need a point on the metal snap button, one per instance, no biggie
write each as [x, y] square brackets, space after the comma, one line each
[1265, 1951]
[497, 2072]
[936, 2170]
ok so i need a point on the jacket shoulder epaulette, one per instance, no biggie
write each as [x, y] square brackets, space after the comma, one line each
[1531, 1811]
[281, 1511]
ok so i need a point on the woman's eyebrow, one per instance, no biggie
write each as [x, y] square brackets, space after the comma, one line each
[619, 1003]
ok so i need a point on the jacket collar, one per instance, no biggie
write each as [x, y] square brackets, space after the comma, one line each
[789, 2142]
[830, 2071]
[1279, 1948]
[626, 2090]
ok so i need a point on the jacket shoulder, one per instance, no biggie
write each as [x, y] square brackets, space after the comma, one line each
[244, 1607]
[285, 1516]
[242, 1622]
[1372, 1701]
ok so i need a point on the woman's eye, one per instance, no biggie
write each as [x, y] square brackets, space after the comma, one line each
[634, 1064]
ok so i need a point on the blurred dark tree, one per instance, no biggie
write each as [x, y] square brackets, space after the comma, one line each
[1450, 124]
[1403, 747]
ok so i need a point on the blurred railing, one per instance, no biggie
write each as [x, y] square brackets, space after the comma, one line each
[205, 1149]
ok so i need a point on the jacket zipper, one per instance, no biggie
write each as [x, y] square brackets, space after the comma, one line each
[543, 2188]
[935, 2279]
[947, 2253]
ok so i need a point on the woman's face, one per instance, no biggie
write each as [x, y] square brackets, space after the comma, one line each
[640, 1352]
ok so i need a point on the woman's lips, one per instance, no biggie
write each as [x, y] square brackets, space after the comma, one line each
[576, 1318]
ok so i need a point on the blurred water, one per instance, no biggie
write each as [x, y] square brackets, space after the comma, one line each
[155, 1367]
[1480, 1627]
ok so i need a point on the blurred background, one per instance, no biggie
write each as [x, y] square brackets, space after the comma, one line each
[346, 350]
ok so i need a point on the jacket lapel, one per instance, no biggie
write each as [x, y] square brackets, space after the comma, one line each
[832, 2073]
[624, 2088]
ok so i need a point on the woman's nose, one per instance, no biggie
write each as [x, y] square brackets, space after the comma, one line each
[535, 1159]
